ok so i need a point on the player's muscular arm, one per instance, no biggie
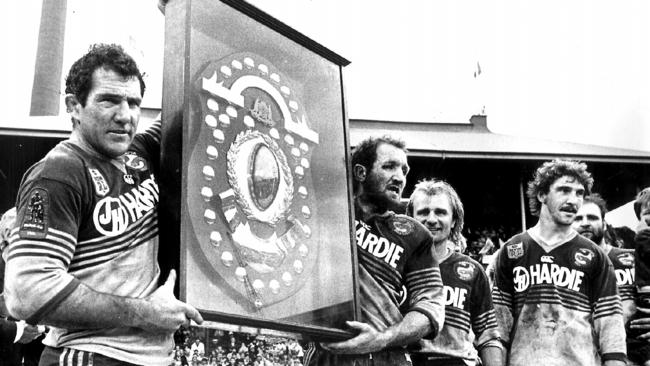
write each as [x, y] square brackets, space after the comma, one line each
[413, 327]
[85, 308]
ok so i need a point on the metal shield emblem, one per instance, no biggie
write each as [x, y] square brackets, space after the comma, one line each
[249, 188]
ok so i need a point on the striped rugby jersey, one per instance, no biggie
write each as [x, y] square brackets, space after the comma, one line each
[623, 261]
[470, 320]
[81, 219]
[394, 251]
[558, 306]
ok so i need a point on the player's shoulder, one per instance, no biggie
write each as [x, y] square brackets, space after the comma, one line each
[519, 247]
[60, 162]
[580, 242]
[467, 261]
[64, 164]
[514, 246]
[403, 225]
[584, 253]
[463, 266]
[622, 256]
[517, 239]
[460, 257]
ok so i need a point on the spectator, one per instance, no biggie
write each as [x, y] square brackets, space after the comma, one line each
[198, 347]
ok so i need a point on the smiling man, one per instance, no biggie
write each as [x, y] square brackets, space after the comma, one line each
[394, 251]
[555, 291]
[82, 255]
[469, 314]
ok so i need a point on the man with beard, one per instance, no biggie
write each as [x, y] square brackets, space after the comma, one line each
[555, 291]
[590, 223]
[469, 314]
[394, 251]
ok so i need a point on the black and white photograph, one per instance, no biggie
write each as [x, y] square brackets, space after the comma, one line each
[325, 182]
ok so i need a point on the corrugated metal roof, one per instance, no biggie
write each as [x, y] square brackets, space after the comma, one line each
[475, 140]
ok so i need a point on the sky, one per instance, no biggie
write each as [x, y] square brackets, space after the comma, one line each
[564, 70]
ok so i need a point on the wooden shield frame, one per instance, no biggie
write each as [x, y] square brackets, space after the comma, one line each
[255, 188]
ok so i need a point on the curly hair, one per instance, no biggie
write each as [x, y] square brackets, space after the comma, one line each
[551, 171]
[599, 201]
[433, 187]
[365, 153]
[108, 56]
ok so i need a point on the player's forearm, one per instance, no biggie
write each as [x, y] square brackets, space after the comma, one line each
[492, 356]
[412, 328]
[85, 308]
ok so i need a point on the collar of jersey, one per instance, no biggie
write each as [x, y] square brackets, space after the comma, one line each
[534, 233]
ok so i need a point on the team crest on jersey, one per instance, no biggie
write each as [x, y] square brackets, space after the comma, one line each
[35, 220]
[465, 270]
[402, 226]
[583, 257]
[515, 250]
[135, 162]
[626, 259]
[101, 187]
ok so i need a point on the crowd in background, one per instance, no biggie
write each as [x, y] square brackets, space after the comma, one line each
[213, 347]
[483, 240]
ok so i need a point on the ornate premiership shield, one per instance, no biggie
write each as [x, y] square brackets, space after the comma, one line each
[250, 191]
[254, 180]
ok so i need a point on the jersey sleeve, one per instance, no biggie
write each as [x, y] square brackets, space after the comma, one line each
[148, 141]
[642, 257]
[607, 311]
[484, 321]
[424, 283]
[40, 249]
[503, 296]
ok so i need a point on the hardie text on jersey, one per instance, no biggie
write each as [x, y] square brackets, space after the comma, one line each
[380, 247]
[545, 273]
[113, 215]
